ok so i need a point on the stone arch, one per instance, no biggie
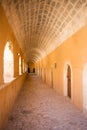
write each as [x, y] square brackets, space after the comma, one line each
[35, 54]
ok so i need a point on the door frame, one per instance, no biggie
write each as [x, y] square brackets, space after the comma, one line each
[65, 80]
[69, 82]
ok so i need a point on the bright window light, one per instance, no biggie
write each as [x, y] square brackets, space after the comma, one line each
[8, 62]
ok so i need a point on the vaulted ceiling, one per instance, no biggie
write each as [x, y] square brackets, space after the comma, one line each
[42, 25]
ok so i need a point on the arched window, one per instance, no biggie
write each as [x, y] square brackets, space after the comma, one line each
[8, 62]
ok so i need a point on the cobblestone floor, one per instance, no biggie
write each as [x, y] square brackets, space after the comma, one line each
[39, 107]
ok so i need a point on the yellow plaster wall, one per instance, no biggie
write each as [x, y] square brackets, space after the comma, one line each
[8, 92]
[8, 95]
[73, 51]
[6, 34]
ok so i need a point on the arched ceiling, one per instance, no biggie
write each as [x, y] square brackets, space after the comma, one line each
[42, 25]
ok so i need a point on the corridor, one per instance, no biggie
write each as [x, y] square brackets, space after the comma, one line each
[39, 107]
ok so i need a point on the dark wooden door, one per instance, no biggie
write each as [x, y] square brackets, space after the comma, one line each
[69, 81]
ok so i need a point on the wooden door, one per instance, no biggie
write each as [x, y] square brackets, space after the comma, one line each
[69, 81]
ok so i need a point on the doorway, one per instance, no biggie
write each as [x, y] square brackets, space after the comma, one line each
[33, 70]
[69, 81]
[28, 70]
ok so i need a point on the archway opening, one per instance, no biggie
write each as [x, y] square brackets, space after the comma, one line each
[85, 89]
[8, 62]
[33, 70]
[28, 70]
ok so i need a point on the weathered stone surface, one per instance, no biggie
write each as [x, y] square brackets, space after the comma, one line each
[41, 108]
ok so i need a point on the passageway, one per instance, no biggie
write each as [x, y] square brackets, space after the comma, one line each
[39, 107]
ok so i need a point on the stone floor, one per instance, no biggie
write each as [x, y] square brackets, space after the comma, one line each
[39, 107]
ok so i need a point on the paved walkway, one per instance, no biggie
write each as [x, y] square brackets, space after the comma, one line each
[41, 108]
